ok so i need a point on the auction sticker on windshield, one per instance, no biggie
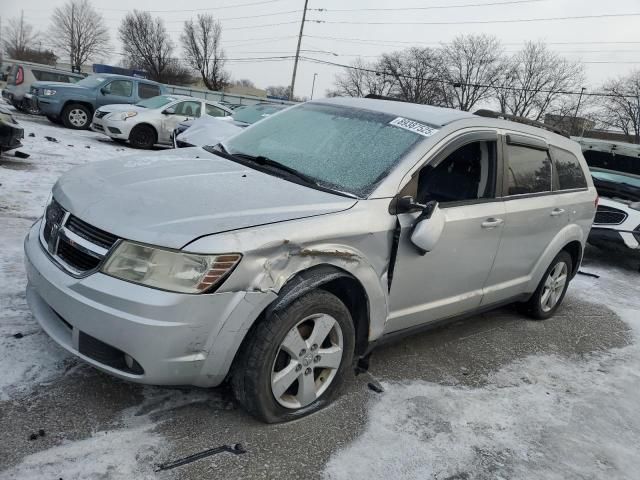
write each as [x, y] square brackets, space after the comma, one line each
[413, 126]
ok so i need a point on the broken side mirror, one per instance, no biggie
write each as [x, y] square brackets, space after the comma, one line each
[169, 111]
[428, 228]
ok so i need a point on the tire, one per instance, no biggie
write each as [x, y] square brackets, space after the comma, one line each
[55, 120]
[76, 117]
[542, 304]
[312, 384]
[143, 136]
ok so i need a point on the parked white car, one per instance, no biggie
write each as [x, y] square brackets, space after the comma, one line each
[151, 121]
[617, 222]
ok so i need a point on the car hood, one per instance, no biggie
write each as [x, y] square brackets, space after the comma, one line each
[208, 131]
[171, 198]
[122, 107]
[57, 85]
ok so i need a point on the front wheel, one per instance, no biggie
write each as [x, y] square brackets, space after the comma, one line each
[143, 136]
[76, 116]
[296, 358]
[550, 292]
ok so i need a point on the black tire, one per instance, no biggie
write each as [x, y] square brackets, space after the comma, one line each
[76, 116]
[534, 306]
[143, 136]
[55, 120]
[253, 367]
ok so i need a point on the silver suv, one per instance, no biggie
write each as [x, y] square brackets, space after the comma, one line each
[278, 258]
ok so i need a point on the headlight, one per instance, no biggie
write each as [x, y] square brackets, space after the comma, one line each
[169, 269]
[125, 115]
[48, 92]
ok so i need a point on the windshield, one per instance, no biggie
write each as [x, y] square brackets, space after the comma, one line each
[251, 114]
[91, 81]
[342, 148]
[614, 177]
[155, 102]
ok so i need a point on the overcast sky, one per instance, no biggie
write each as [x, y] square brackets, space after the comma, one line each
[258, 37]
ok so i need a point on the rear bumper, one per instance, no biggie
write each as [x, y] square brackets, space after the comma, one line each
[176, 339]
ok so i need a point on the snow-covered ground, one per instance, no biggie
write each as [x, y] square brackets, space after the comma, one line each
[539, 417]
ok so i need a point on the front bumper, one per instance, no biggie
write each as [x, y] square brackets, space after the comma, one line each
[114, 129]
[10, 136]
[176, 339]
[48, 105]
[619, 240]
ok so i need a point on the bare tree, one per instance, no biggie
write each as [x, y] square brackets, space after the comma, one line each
[146, 44]
[415, 75]
[244, 82]
[279, 91]
[201, 43]
[471, 66]
[621, 109]
[79, 30]
[18, 38]
[535, 80]
[361, 80]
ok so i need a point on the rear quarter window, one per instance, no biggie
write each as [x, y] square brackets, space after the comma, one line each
[568, 172]
[529, 170]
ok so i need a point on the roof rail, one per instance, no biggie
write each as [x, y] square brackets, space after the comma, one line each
[517, 119]
[374, 96]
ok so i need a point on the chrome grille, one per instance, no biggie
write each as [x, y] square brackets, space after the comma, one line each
[609, 216]
[72, 243]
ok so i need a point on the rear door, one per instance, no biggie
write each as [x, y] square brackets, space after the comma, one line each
[449, 280]
[534, 215]
[183, 111]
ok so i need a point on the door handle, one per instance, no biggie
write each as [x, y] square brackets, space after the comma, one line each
[492, 222]
[557, 212]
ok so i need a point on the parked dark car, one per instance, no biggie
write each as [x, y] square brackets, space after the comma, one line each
[10, 131]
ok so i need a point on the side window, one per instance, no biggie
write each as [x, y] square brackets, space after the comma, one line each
[568, 173]
[188, 109]
[214, 111]
[469, 173]
[120, 88]
[49, 76]
[529, 170]
[146, 90]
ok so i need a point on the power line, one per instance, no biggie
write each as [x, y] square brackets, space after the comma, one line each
[446, 82]
[433, 7]
[263, 2]
[405, 42]
[476, 22]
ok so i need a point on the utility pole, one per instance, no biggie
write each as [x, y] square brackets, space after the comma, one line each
[295, 62]
[73, 29]
[575, 115]
[313, 85]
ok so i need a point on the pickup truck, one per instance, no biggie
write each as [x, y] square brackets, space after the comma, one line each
[73, 104]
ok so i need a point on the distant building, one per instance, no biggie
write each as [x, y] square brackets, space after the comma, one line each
[571, 125]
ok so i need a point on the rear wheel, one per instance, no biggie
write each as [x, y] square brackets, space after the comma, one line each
[550, 292]
[295, 360]
[143, 136]
[76, 116]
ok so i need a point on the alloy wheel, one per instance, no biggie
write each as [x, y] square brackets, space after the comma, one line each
[307, 361]
[78, 117]
[554, 286]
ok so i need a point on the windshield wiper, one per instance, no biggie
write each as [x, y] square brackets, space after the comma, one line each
[262, 161]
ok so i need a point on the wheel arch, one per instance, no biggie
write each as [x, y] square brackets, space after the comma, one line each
[68, 103]
[340, 283]
[574, 248]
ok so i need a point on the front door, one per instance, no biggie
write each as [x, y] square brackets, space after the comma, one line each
[182, 111]
[449, 280]
[116, 91]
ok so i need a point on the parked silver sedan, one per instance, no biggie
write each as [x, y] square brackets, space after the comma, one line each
[151, 121]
